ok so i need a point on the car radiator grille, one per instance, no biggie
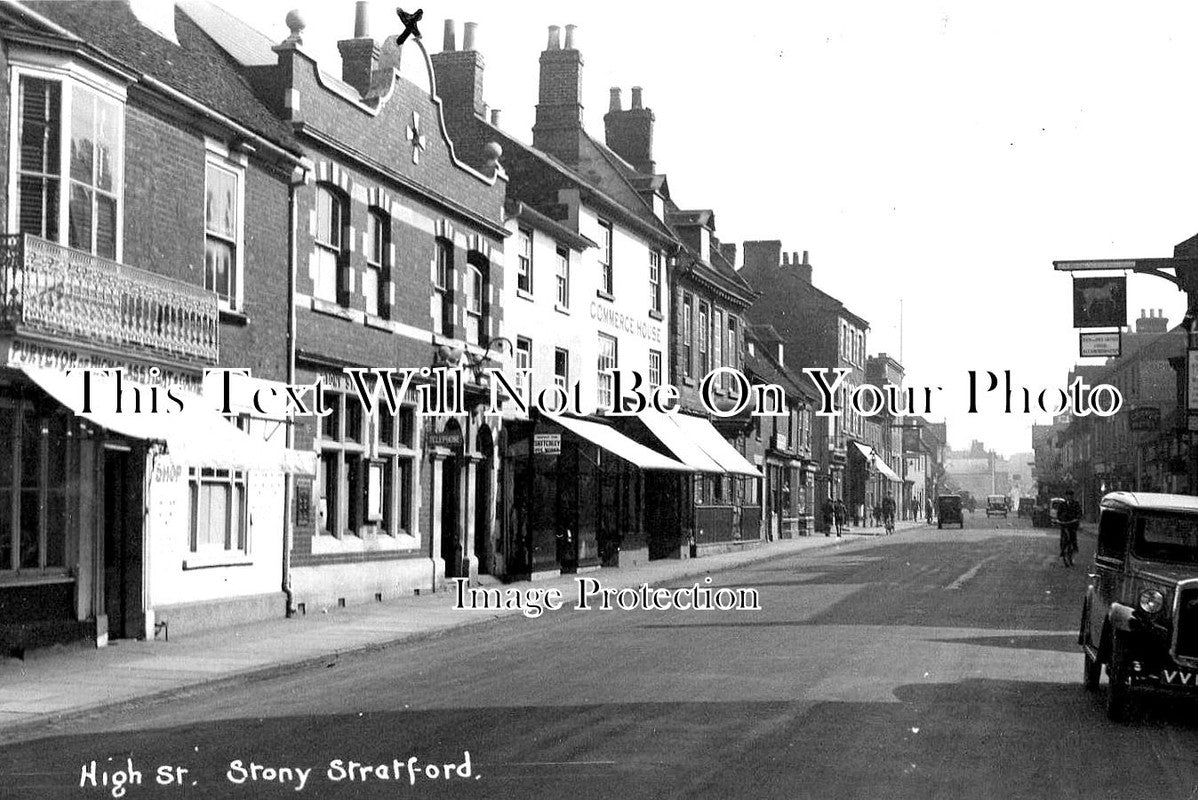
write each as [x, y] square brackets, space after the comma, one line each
[1187, 624]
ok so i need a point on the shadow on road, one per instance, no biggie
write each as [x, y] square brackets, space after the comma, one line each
[975, 738]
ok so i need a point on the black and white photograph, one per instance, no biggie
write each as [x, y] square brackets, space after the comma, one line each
[804, 403]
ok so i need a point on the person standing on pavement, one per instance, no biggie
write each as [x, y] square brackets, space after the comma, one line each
[928, 510]
[841, 512]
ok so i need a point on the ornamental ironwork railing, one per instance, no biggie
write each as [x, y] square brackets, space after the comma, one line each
[84, 299]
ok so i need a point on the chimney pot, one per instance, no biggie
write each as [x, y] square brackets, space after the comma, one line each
[450, 42]
[804, 258]
[794, 258]
[785, 259]
[570, 37]
[616, 104]
[495, 117]
[555, 38]
[361, 19]
[636, 97]
[470, 31]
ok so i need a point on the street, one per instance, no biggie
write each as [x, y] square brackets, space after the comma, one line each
[933, 663]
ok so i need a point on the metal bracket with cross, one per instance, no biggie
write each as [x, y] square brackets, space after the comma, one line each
[417, 138]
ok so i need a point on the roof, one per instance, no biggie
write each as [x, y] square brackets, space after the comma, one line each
[1154, 501]
[761, 365]
[197, 67]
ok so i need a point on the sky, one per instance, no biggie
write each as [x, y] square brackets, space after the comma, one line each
[934, 158]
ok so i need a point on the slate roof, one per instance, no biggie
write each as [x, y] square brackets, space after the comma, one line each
[196, 67]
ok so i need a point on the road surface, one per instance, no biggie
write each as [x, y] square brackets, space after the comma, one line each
[925, 664]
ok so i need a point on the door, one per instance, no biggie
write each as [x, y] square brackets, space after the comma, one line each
[484, 534]
[123, 544]
[1109, 560]
[451, 528]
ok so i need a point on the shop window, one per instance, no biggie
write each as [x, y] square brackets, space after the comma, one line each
[35, 505]
[54, 117]
[218, 513]
[330, 239]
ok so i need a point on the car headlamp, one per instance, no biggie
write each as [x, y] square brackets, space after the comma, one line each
[1151, 601]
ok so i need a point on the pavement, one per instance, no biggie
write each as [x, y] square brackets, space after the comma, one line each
[62, 682]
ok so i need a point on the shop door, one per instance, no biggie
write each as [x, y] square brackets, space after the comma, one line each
[123, 544]
[451, 529]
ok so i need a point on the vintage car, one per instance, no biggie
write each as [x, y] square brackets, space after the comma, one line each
[1026, 506]
[996, 505]
[1140, 613]
[948, 510]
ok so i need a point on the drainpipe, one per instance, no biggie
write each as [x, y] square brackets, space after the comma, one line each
[299, 178]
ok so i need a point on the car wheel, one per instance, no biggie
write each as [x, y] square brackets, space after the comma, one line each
[1118, 695]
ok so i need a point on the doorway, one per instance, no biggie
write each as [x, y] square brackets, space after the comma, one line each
[452, 550]
[123, 543]
[484, 534]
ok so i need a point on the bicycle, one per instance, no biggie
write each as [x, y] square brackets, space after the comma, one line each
[1068, 542]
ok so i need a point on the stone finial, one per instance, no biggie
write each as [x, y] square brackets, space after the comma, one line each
[295, 24]
[492, 152]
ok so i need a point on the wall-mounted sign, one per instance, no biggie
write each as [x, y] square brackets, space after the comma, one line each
[547, 444]
[1146, 418]
[450, 440]
[1192, 380]
[1100, 302]
[303, 501]
[1099, 344]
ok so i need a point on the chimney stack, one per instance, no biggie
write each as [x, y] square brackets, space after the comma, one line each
[615, 104]
[558, 126]
[1152, 321]
[359, 55]
[630, 133]
[460, 76]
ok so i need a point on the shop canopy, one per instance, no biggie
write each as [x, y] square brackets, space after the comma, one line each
[620, 445]
[196, 436]
[877, 463]
[694, 441]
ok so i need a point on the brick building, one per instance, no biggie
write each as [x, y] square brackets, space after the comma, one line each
[119, 524]
[818, 332]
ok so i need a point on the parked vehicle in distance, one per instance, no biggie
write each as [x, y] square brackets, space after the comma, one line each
[948, 510]
[1026, 506]
[1140, 612]
[996, 504]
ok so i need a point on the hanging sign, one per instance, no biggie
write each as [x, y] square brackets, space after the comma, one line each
[547, 444]
[1099, 344]
[1100, 302]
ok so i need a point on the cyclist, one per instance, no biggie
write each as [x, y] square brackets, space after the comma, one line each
[1069, 514]
[888, 513]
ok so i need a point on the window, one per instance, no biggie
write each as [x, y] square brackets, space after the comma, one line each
[223, 230]
[443, 288]
[389, 488]
[563, 277]
[731, 352]
[524, 261]
[330, 224]
[688, 336]
[561, 367]
[343, 478]
[378, 268]
[91, 143]
[218, 511]
[607, 362]
[523, 359]
[718, 343]
[35, 504]
[704, 340]
[654, 369]
[655, 281]
[477, 303]
[606, 277]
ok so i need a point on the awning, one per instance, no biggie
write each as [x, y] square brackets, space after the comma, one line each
[703, 433]
[684, 447]
[877, 463]
[196, 436]
[620, 445]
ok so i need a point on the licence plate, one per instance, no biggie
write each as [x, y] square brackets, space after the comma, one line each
[1179, 677]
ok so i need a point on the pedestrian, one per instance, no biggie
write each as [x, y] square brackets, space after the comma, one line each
[841, 513]
[928, 510]
[888, 508]
[877, 512]
[829, 517]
